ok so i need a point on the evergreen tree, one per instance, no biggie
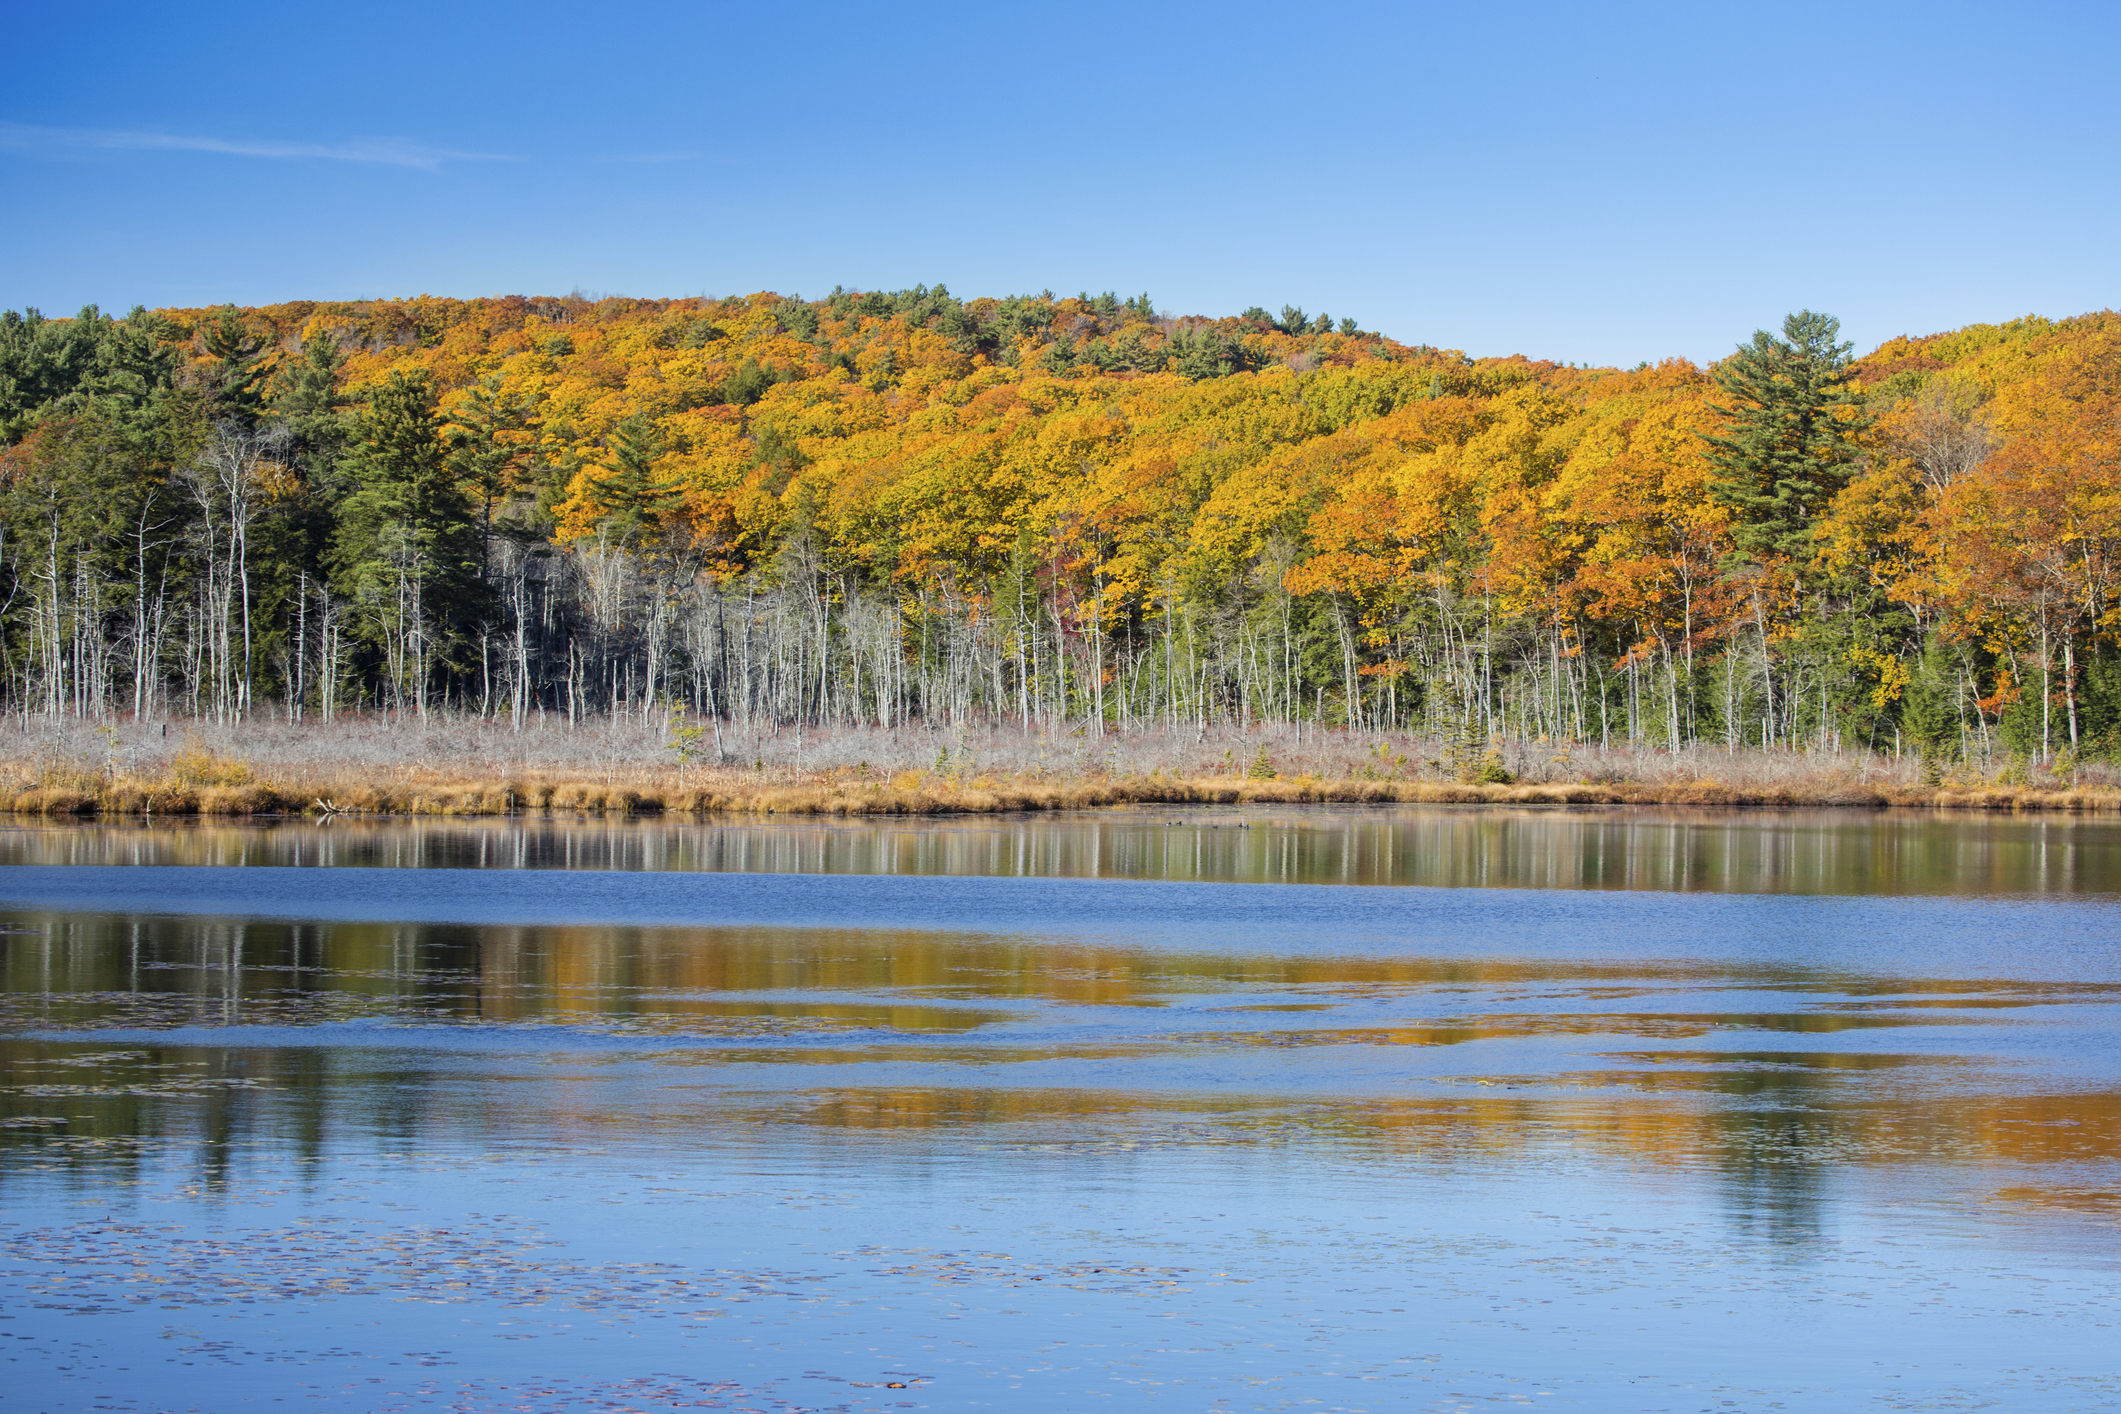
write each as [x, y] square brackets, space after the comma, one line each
[963, 330]
[1929, 708]
[41, 361]
[1204, 353]
[406, 497]
[307, 399]
[406, 549]
[489, 446]
[1789, 446]
[70, 493]
[135, 365]
[797, 318]
[637, 503]
[239, 377]
[2099, 703]
[748, 384]
[1131, 351]
[1022, 315]
[306, 395]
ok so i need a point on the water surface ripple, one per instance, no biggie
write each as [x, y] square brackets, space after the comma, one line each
[1421, 1109]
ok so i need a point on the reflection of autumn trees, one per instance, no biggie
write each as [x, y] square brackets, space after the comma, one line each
[1702, 1126]
[767, 1027]
[882, 507]
[1801, 852]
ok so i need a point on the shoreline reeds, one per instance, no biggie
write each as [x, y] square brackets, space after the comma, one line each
[440, 794]
[469, 766]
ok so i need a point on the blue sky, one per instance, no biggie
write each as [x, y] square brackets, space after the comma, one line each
[1592, 184]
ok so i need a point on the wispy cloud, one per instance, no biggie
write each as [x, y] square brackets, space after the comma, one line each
[657, 157]
[373, 151]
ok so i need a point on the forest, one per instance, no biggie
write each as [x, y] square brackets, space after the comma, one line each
[1069, 514]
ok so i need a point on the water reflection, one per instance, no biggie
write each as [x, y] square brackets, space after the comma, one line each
[1793, 851]
[198, 1029]
[1038, 1142]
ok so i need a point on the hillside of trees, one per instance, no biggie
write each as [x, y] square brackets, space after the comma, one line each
[1073, 513]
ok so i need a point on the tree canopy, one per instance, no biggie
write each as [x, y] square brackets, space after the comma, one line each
[881, 504]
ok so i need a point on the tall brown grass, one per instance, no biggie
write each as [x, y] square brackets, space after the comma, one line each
[465, 766]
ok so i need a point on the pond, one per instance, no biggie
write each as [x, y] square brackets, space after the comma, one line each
[1211, 1109]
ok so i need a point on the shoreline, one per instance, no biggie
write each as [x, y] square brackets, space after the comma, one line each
[916, 794]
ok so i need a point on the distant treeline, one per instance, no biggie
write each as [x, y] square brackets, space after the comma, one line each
[1081, 513]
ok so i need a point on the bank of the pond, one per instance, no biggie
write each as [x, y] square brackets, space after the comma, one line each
[919, 793]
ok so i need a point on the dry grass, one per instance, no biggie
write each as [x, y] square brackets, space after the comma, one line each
[470, 767]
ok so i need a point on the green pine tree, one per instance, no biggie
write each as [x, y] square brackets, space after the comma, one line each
[488, 451]
[116, 368]
[307, 397]
[1132, 351]
[136, 365]
[406, 496]
[1790, 444]
[406, 548]
[1202, 353]
[1929, 705]
[748, 384]
[638, 503]
[239, 378]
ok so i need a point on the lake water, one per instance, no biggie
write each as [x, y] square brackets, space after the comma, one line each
[1399, 1109]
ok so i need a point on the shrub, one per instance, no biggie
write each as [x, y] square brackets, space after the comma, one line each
[1491, 771]
[196, 766]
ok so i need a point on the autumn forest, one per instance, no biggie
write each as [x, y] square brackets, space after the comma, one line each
[1070, 513]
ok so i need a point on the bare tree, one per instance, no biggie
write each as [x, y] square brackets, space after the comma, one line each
[1947, 431]
[226, 485]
